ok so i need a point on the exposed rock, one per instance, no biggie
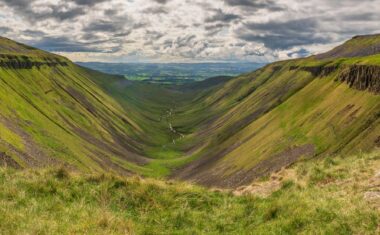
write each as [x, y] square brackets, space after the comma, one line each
[320, 71]
[25, 62]
[362, 77]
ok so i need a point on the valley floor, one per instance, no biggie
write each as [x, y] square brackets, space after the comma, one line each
[337, 195]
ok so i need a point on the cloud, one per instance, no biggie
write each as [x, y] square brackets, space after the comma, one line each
[256, 5]
[31, 10]
[88, 2]
[155, 10]
[187, 30]
[298, 53]
[62, 44]
[103, 26]
[221, 16]
[161, 1]
[284, 34]
[4, 30]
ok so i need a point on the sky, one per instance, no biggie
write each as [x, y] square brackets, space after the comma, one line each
[187, 30]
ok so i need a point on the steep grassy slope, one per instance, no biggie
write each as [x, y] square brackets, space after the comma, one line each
[52, 113]
[220, 132]
[320, 197]
[270, 118]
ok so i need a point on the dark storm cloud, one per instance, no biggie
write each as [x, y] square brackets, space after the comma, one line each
[283, 35]
[168, 43]
[161, 1]
[104, 26]
[58, 12]
[154, 35]
[33, 33]
[361, 17]
[213, 29]
[184, 41]
[123, 34]
[254, 5]
[300, 53]
[88, 2]
[221, 16]
[4, 30]
[111, 12]
[62, 44]
[140, 25]
[17, 3]
[218, 26]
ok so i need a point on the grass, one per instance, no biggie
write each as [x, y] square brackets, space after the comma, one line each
[323, 197]
[95, 121]
[11, 137]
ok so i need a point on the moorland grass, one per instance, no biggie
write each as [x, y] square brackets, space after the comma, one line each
[324, 197]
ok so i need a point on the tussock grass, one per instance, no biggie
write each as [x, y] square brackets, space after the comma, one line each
[323, 197]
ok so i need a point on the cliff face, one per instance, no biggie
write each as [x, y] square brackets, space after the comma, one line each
[321, 71]
[26, 62]
[362, 77]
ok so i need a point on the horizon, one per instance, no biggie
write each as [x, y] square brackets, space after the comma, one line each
[174, 31]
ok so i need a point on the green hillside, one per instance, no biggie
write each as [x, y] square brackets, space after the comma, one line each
[52, 113]
[222, 132]
[288, 110]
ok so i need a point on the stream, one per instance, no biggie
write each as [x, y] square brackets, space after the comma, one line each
[169, 116]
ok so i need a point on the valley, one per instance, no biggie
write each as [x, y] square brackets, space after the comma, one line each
[272, 150]
[161, 117]
[223, 131]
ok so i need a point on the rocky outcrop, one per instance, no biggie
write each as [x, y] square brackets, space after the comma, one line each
[362, 77]
[320, 71]
[25, 62]
[316, 70]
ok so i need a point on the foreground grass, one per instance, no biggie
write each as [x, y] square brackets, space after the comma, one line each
[324, 197]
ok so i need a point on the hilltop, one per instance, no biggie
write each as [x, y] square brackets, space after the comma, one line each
[358, 46]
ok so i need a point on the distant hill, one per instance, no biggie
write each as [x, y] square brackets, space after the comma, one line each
[172, 73]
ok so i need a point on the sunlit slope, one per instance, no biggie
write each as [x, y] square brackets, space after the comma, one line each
[286, 111]
[52, 113]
